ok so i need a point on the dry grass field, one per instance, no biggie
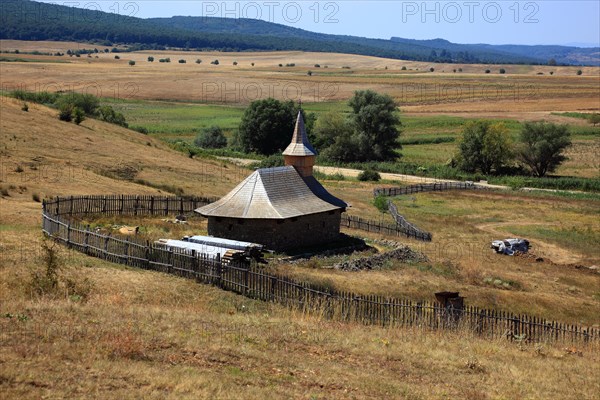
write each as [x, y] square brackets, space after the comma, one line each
[115, 332]
[140, 334]
[521, 90]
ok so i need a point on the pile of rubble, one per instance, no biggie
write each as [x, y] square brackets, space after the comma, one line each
[401, 253]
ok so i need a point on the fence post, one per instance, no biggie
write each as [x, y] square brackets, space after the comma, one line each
[86, 240]
[69, 234]
[219, 271]
[128, 258]
[147, 254]
[106, 238]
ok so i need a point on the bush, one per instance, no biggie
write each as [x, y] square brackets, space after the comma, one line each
[211, 138]
[369, 175]
[35, 97]
[487, 71]
[25, 107]
[215, 62]
[108, 114]
[182, 61]
[140, 129]
[198, 61]
[309, 73]
[150, 59]
[403, 68]
[78, 115]
[381, 202]
[431, 69]
[235, 63]
[35, 197]
[117, 58]
[502, 71]
[86, 102]
[579, 72]
[65, 113]
[317, 66]
[275, 160]
[46, 282]
[131, 62]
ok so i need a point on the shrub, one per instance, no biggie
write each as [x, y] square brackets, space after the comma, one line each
[502, 71]
[150, 59]
[369, 175]
[65, 113]
[131, 62]
[235, 63]
[579, 72]
[281, 65]
[487, 71]
[140, 129]
[182, 61]
[78, 115]
[275, 160]
[25, 107]
[211, 138]
[198, 61]
[86, 102]
[460, 70]
[317, 66]
[252, 64]
[381, 202]
[403, 68]
[117, 58]
[215, 62]
[46, 282]
[309, 73]
[108, 114]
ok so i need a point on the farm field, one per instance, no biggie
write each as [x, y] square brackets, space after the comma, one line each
[520, 90]
[117, 332]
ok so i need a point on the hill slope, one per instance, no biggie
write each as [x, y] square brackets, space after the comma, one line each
[53, 158]
[144, 334]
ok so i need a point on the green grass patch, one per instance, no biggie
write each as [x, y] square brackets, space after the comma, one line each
[167, 119]
[581, 238]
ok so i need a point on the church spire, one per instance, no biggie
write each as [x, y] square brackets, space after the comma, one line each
[300, 154]
[300, 146]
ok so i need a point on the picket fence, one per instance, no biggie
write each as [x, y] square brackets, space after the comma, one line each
[251, 281]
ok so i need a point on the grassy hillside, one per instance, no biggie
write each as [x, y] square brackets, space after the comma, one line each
[115, 332]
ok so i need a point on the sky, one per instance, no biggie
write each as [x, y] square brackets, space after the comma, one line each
[493, 22]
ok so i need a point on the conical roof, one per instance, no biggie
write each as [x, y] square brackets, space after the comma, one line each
[273, 193]
[300, 146]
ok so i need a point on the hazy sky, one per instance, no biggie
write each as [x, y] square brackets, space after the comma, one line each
[495, 22]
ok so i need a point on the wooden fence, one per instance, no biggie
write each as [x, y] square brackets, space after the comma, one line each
[399, 229]
[250, 281]
[429, 187]
[402, 225]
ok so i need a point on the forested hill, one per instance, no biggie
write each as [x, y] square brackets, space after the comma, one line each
[29, 20]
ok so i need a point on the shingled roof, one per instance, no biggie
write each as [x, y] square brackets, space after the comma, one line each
[300, 146]
[274, 193]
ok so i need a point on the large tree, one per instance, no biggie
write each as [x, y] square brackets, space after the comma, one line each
[375, 119]
[267, 126]
[542, 145]
[485, 146]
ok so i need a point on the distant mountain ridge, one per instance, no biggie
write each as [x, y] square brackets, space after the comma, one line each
[30, 20]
